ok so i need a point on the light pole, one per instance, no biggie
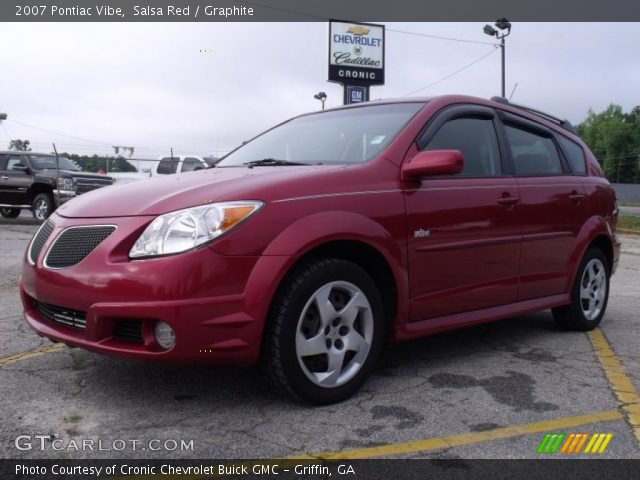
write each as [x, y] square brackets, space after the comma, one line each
[503, 24]
[322, 97]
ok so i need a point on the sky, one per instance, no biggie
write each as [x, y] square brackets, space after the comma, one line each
[203, 88]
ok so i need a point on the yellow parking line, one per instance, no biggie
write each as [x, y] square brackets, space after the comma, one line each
[620, 383]
[461, 439]
[4, 361]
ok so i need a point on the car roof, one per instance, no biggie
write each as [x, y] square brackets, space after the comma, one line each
[501, 103]
[22, 152]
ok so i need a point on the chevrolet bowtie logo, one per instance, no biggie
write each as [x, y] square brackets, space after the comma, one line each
[358, 30]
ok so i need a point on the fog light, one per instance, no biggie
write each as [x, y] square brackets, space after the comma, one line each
[165, 336]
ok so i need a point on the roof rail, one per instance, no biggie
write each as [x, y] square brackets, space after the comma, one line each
[563, 123]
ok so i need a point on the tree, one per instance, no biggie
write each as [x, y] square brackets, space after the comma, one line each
[614, 138]
[20, 145]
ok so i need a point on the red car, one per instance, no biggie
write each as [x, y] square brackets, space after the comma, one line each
[312, 244]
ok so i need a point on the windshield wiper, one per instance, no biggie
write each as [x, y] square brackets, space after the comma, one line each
[268, 162]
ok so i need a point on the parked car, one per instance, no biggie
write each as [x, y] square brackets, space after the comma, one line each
[308, 247]
[29, 180]
[180, 163]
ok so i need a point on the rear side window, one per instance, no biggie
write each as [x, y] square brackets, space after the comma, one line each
[574, 154]
[168, 165]
[476, 139]
[533, 154]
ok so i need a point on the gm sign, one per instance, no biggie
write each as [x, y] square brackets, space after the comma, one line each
[356, 94]
[356, 53]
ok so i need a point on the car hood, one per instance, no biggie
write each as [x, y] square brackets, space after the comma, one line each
[159, 195]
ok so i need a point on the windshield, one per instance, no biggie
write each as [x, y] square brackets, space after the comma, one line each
[49, 163]
[351, 135]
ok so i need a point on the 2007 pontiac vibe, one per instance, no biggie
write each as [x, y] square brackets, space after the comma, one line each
[309, 246]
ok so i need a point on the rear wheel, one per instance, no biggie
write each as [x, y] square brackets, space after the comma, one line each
[9, 212]
[589, 295]
[42, 206]
[325, 331]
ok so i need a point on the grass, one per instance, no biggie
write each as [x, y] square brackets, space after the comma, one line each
[629, 204]
[629, 222]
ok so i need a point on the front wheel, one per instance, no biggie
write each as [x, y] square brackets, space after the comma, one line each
[42, 206]
[589, 295]
[325, 331]
[10, 212]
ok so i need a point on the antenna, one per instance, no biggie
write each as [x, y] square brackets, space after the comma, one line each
[55, 150]
[513, 91]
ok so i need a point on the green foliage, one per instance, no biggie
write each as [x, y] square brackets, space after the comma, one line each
[20, 145]
[94, 163]
[614, 138]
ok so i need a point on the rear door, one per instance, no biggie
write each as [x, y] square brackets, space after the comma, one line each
[463, 230]
[552, 208]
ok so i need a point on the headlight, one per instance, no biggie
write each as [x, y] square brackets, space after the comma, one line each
[186, 229]
[65, 184]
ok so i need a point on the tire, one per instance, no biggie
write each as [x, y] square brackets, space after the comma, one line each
[42, 206]
[589, 294]
[317, 355]
[10, 212]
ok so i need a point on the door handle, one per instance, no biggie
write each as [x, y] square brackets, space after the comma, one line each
[508, 201]
[576, 197]
[4, 178]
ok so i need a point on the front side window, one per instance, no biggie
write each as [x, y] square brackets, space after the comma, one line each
[350, 135]
[13, 161]
[533, 154]
[190, 164]
[476, 139]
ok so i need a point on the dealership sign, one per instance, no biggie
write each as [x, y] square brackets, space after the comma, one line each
[356, 53]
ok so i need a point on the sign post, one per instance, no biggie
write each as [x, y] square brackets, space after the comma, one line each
[356, 58]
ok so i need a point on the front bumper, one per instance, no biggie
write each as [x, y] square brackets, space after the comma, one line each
[200, 294]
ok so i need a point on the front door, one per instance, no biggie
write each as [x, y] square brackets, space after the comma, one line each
[464, 232]
[14, 184]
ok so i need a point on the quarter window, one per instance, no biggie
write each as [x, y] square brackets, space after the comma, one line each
[476, 139]
[574, 154]
[533, 154]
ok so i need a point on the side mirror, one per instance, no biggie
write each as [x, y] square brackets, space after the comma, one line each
[433, 162]
[20, 167]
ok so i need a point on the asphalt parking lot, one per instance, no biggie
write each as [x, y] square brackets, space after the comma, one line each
[488, 392]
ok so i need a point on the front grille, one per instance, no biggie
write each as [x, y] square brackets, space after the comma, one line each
[129, 330]
[75, 243]
[86, 185]
[40, 239]
[62, 316]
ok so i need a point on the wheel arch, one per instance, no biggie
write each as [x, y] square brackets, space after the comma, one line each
[345, 235]
[596, 232]
[38, 188]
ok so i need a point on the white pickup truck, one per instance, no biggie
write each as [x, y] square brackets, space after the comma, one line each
[164, 166]
[180, 163]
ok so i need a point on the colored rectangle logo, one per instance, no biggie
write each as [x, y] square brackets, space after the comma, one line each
[574, 443]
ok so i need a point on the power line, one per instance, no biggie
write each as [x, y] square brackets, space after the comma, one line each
[97, 142]
[451, 74]
[438, 37]
[318, 17]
